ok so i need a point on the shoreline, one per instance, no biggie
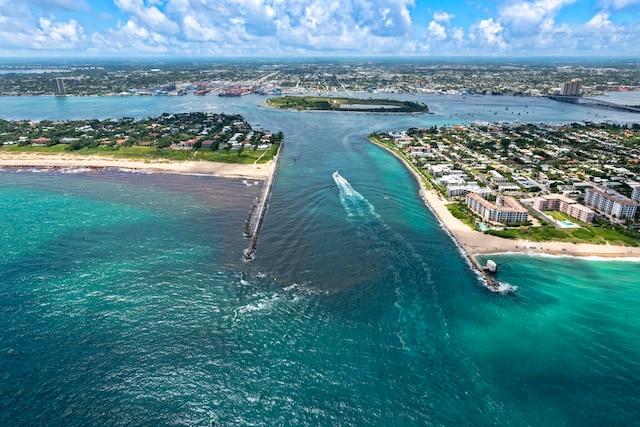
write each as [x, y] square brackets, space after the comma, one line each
[63, 161]
[475, 243]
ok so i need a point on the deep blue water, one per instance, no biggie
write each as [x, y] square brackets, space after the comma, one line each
[124, 299]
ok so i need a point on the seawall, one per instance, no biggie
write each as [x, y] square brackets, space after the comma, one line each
[259, 208]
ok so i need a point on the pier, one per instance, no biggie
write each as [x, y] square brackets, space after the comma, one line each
[257, 212]
[591, 102]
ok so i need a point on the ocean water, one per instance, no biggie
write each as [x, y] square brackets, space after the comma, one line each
[124, 299]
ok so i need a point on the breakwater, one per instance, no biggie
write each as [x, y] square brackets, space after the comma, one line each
[256, 214]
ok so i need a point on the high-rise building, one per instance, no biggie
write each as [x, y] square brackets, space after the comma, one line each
[505, 209]
[58, 86]
[571, 88]
[610, 202]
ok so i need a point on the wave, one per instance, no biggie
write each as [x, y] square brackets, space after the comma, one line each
[356, 205]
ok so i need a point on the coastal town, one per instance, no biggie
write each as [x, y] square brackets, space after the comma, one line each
[165, 78]
[577, 183]
[177, 136]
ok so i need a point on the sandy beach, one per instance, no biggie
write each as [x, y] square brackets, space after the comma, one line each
[229, 170]
[476, 243]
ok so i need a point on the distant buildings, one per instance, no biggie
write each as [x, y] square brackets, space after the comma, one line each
[571, 88]
[58, 86]
[558, 202]
[610, 202]
[506, 209]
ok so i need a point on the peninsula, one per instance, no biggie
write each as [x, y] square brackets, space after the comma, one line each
[200, 143]
[324, 103]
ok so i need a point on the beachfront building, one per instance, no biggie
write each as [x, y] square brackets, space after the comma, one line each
[506, 209]
[635, 194]
[471, 187]
[610, 202]
[558, 202]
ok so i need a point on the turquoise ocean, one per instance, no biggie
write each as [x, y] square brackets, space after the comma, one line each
[125, 300]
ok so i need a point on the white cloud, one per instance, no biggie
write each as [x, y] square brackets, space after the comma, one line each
[599, 22]
[620, 4]
[194, 30]
[151, 17]
[487, 33]
[524, 17]
[443, 17]
[436, 31]
[311, 27]
[63, 5]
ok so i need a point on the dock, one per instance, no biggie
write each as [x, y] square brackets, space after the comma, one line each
[485, 271]
[258, 210]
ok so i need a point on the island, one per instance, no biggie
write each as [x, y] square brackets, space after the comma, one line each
[325, 103]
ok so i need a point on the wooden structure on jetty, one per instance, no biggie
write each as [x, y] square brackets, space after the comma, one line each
[256, 215]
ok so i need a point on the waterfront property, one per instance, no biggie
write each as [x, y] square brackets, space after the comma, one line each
[558, 202]
[635, 194]
[506, 209]
[610, 202]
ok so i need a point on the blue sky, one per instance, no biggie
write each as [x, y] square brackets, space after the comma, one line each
[299, 28]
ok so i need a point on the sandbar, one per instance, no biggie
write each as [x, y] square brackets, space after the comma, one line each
[202, 167]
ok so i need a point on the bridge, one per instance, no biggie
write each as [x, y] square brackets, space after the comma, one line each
[591, 102]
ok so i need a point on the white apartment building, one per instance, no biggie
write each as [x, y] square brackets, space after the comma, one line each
[635, 195]
[610, 202]
[558, 202]
[497, 178]
[506, 209]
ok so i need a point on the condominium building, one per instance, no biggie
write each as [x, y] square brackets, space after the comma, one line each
[635, 195]
[461, 190]
[610, 202]
[506, 209]
[558, 202]
[58, 86]
[571, 88]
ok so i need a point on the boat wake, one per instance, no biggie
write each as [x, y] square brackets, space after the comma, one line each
[356, 205]
[388, 248]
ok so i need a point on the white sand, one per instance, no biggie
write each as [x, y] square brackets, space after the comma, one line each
[229, 170]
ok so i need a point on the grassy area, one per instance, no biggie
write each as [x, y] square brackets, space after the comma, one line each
[594, 234]
[323, 103]
[153, 153]
[464, 215]
[56, 149]
[561, 216]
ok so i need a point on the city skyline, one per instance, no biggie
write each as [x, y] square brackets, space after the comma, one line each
[351, 28]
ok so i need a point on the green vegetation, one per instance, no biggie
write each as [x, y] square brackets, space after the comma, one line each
[595, 234]
[463, 213]
[561, 216]
[323, 103]
[184, 136]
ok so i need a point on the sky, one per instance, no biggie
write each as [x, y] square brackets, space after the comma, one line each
[317, 28]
